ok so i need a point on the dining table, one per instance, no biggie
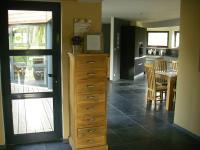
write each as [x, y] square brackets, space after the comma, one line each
[171, 77]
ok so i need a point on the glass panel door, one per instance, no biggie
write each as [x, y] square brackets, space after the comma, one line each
[33, 109]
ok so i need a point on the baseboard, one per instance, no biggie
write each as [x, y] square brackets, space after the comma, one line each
[66, 141]
[187, 132]
[2, 147]
[139, 75]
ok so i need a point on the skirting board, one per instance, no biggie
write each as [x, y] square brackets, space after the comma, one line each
[187, 132]
[2, 147]
[139, 75]
[66, 141]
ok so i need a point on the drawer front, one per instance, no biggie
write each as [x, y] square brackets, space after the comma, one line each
[91, 132]
[88, 86]
[97, 62]
[91, 74]
[91, 98]
[91, 108]
[89, 142]
[96, 148]
[85, 120]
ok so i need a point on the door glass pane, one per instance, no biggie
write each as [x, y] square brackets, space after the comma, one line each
[30, 29]
[30, 74]
[32, 115]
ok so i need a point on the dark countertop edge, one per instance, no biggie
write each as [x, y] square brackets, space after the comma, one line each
[154, 56]
[140, 57]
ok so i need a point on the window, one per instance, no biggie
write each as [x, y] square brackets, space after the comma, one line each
[158, 38]
[30, 36]
[177, 38]
[30, 30]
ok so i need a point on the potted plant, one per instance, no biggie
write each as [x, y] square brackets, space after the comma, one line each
[76, 43]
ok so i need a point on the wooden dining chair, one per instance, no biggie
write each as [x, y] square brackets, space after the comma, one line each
[153, 87]
[160, 65]
[175, 65]
[174, 68]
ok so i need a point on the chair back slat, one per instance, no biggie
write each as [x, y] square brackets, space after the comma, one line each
[150, 72]
[160, 65]
[175, 65]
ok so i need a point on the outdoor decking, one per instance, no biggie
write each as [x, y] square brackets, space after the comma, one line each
[32, 115]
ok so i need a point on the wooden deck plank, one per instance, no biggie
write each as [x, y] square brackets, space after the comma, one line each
[33, 116]
[49, 112]
[15, 113]
[27, 110]
[40, 109]
[50, 103]
[44, 119]
[22, 117]
[30, 114]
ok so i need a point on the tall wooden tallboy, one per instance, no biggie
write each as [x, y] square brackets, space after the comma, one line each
[88, 86]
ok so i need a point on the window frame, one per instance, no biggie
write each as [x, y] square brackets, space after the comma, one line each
[158, 32]
[175, 35]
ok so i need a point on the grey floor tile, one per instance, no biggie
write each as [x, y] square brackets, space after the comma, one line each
[134, 124]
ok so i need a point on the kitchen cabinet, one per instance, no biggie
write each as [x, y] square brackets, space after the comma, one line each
[139, 65]
[140, 39]
[133, 43]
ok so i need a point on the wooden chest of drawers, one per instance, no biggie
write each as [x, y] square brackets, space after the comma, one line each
[88, 86]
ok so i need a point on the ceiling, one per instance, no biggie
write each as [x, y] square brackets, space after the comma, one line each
[141, 10]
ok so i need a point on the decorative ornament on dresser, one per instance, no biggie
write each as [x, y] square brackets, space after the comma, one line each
[76, 44]
[81, 27]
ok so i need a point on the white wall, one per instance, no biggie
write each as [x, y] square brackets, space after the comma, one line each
[112, 47]
[187, 109]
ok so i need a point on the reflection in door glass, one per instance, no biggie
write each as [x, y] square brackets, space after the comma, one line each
[32, 115]
[30, 74]
[30, 29]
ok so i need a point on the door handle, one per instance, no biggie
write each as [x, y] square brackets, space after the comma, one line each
[50, 75]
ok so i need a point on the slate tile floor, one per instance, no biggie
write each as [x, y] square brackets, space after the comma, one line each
[133, 124]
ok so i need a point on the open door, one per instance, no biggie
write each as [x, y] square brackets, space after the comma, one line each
[31, 72]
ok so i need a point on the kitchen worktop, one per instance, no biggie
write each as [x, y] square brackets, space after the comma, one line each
[153, 56]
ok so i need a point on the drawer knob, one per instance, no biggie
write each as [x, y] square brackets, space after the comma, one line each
[91, 74]
[90, 141]
[90, 86]
[89, 108]
[91, 119]
[91, 130]
[91, 62]
[91, 97]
